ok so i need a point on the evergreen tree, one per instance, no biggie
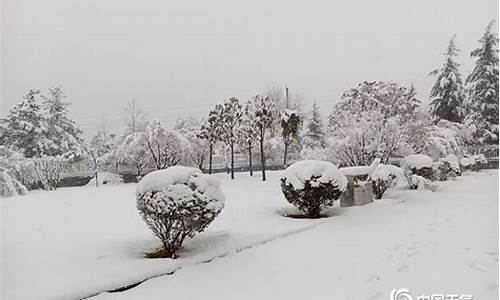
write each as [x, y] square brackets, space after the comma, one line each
[62, 131]
[231, 114]
[447, 95]
[291, 123]
[483, 81]
[264, 113]
[247, 134]
[210, 132]
[314, 136]
[25, 128]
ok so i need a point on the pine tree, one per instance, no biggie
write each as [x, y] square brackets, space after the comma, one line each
[247, 134]
[483, 81]
[447, 95]
[25, 128]
[62, 131]
[264, 114]
[232, 113]
[291, 123]
[314, 136]
[210, 132]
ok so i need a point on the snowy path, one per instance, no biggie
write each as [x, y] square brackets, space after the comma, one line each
[432, 243]
[91, 240]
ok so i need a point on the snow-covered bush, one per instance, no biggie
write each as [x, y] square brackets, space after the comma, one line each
[23, 171]
[445, 138]
[446, 167]
[416, 182]
[9, 186]
[177, 203]
[473, 162]
[41, 172]
[47, 171]
[418, 164]
[384, 177]
[312, 185]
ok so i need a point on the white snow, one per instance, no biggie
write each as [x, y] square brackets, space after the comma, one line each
[106, 178]
[322, 171]
[361, 170]
[429, 243]
[163, 179]
[417, 161]
[80, 241]
[386, 171]
[75, 242]
[179, 185]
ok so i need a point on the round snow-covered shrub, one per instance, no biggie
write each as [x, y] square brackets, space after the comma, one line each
[418, 164]
[312, 185]
[473, 163]
[177, 203]
[446, 167]
[384, 177]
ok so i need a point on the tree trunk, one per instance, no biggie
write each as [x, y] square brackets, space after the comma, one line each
[232, 162]
[95, 168]
[250, 158]
[210, 150]
[285, 154]
[262, 158]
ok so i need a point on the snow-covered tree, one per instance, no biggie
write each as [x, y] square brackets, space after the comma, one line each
[482, 85]
[231, 114]
[39, 126]
[372, 121]
[63, 133]
[264, 113]
[247, 134]
[447, 98]
[210, 132]
[103, 142]
[291, 123]
[167, 148]
[445, 138]
[134, 117]
[134, 151]
[314, 136]
[198, 149]
[25, 127]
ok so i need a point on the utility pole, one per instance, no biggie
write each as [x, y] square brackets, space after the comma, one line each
[286, 96]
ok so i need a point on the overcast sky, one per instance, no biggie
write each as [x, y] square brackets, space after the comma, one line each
[182, 57]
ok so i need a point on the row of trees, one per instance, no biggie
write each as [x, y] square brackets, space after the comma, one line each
[374, 119]
[232, 125]
[475, 99]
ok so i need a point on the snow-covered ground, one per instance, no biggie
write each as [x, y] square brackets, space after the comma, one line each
[78, 242]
